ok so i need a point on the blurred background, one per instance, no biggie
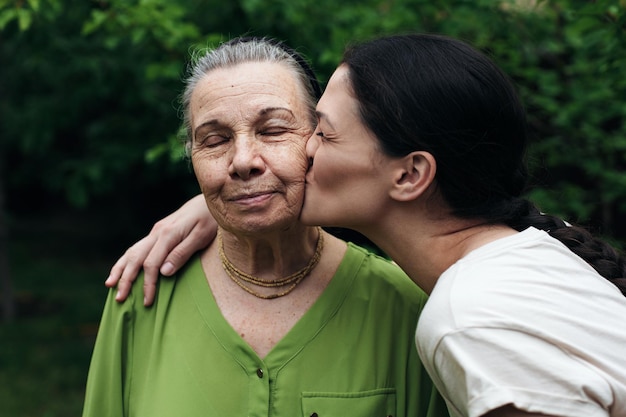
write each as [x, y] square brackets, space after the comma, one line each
[90, 156]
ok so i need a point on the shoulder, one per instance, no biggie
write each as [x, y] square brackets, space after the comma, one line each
[166, 287]
[382, 276]
[372, 264]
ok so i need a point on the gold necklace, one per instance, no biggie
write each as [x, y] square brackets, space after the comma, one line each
[239, 277]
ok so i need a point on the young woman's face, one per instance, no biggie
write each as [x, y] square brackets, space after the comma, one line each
[249, 129]
[347, 182]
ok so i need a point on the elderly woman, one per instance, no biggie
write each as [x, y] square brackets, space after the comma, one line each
[274, 318]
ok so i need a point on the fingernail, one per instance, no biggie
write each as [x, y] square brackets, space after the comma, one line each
[167, 268]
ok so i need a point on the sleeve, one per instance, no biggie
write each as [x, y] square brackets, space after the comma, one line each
[485, 368]
[110, 371]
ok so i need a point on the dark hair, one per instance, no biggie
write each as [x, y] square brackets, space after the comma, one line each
[440, 95]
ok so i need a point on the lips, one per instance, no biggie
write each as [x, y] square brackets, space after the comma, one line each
[258, 195]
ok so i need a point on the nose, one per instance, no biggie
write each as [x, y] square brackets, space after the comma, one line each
[247, 159]
[311, 147]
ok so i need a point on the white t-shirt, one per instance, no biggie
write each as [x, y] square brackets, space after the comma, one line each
[524, 321]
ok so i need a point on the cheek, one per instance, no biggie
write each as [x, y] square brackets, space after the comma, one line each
[292, 163]
[300, 162]
[344, 174]
[209, 174]
[327, 169]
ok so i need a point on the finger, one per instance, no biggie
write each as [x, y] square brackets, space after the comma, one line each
[198, 239]
[151, 271]
[126, 270]
[170, 235]
[116, 272]
[149, 292]
[124, 285]
[135, 257]
[129, 264]
[145, 255]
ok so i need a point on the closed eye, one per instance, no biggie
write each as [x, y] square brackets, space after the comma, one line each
[213, 141]
[273, 132]
[321, 134]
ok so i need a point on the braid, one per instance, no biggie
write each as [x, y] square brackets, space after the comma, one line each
[604, 258]
[600, 255]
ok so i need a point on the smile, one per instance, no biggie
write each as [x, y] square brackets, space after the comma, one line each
[252, 198]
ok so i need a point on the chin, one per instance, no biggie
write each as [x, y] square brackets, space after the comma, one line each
[315, 218]
[318, 212]
[310, 217]
[307, 220]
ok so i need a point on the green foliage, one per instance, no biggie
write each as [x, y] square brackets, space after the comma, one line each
[28, 13]
[162, 22]
[575, 89]
[89, 88]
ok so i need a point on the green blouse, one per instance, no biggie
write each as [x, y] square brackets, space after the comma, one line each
[352, 354]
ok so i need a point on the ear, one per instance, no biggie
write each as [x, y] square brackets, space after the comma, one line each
[414, 175]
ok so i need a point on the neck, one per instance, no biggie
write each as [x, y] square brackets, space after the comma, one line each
[272, 255]
[424, 247]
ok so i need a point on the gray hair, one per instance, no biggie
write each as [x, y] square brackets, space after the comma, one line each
[243, 50]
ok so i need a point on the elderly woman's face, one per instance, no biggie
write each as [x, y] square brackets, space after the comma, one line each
[249, 130]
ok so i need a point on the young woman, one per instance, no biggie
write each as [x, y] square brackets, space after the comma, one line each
[420, 146]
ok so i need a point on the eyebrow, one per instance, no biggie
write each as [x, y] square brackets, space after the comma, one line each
[269, 110]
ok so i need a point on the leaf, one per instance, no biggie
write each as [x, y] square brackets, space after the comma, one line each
[34, 4]
[24, 18]
[95, 22]
[6, 16]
